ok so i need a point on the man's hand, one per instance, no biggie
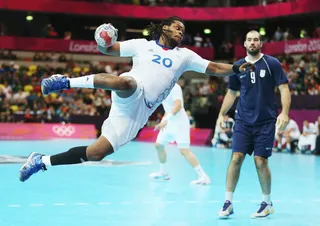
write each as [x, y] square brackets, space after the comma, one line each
[247, 67]
[161, 125]
[282, 121]
[220, 122]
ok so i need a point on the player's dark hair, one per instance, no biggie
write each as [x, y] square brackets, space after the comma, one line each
[252, 31]
[155, 30]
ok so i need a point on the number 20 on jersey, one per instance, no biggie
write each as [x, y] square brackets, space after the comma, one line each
[167, 62]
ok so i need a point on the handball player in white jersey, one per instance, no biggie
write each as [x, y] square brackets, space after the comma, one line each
[157, 65]
[175, 126]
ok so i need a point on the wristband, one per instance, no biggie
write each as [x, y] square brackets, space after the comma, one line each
[236, 69]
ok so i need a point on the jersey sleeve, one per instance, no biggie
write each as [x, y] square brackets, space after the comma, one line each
[196, 63]
[130, 47]
[234, 82]
[279, 76]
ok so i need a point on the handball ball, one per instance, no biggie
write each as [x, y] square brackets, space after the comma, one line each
[106, 35]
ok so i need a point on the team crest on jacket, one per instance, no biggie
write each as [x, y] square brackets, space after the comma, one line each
[262, 73]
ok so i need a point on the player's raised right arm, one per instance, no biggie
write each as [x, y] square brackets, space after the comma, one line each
[198, 64]
[113, 50]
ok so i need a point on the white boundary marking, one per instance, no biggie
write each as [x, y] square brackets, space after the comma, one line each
[165, 202]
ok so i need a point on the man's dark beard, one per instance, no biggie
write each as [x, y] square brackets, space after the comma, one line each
[254, 52]
[172, 42]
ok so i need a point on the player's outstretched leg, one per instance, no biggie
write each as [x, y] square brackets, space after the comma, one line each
[266, 207]
[203, 178]
[162, 156]
[125, 86]
[233, 175]
[95, 152]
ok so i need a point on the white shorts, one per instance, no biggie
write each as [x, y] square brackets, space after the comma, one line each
[307, 140]
[178, 130]
[127, 116]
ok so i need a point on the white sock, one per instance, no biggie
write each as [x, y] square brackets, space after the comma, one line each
[279, 145]
[266, 198]
[199, 171]
[229, 196]
[46, 160]
[163, 168]
[82, 82]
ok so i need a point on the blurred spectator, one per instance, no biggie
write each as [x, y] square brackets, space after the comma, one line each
[285, 138]
[67, 35]
[278, 35]
[198, 40]
[223, 136]
[307, 140]
[316, 33]
[208, 43]
[3, 29]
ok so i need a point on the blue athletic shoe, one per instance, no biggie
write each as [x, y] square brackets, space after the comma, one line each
[264, 211]
[33, 165]
[226, 210]
[54, 83]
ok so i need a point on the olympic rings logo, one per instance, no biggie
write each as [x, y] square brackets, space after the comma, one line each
[64, 130]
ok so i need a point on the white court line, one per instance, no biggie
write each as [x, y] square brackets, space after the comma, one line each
[81, 203]
[104, 203]
[36, 204]
[14, 205]
[167, 202]
[59, 204]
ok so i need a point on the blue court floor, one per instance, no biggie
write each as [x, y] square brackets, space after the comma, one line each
[118, 191]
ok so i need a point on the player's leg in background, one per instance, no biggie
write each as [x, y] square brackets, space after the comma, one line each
[162, 140]
[203, 178]
[279, 140]
[242, 144]
[288, 141]
[123, 85]
[264, 138]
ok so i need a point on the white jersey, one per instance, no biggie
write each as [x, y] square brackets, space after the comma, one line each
[311, 129]
[295, 132]
[175, 94]
[159, 68]
[178, 128]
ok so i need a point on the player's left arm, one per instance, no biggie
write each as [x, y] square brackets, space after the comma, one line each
[176, 106]
[222, 69]
[177, 94]
[198, 64]
[168, 116]
[281, 81]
